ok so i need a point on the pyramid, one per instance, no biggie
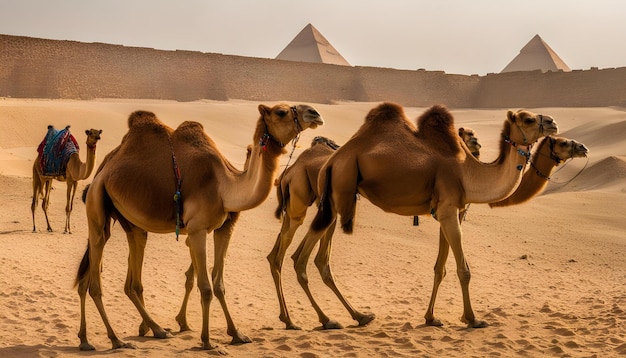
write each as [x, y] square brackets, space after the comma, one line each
[311, 46]
[536, 55]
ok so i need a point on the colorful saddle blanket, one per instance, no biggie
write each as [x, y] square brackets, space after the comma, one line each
[55, 151]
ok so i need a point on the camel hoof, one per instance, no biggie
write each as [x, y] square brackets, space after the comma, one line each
[478, 324]
[332, 325]
[120, 344]
[365, 319]
[182, 323]
[292, 327]
[434, 322]
[143, 330]
[239, 338]
[163, 333]
[86, 347]
[219, 350]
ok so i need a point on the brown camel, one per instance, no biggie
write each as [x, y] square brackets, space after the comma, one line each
[551, 152]
[75, 170]
[154, 163]
[409, 172]
[296, 190]
[471, 141]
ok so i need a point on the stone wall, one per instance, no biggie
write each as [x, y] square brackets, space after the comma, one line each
[39, 68]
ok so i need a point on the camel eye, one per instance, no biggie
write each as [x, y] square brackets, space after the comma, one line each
[529, 120]
[281, 112]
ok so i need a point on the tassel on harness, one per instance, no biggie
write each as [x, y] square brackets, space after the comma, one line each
[177, 196]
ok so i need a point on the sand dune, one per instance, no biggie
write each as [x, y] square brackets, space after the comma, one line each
[547, 275]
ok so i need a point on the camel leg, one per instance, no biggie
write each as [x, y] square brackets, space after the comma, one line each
[221, 237]
[133, 287]
[96, 248]
[83, 285]
[197, 249]
[291, 223]
[451, 229]
[300, 259]
[322, 261]
[46, 202]
[36, 190]
[71, 192]
[440, 273]
[181, 317]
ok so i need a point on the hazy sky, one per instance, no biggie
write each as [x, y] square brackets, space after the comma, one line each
[456, 36]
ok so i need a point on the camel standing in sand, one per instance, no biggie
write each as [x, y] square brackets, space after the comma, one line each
[551, 152]
[154, 163]
[411, 172]
[75, 170]
[296, 190]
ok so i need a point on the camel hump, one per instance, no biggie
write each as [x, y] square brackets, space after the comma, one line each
[385, 112]
[138, 118]
[436, 125]
[192, 133]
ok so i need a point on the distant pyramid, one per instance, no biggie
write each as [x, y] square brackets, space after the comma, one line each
[536, 55]
[311, 46]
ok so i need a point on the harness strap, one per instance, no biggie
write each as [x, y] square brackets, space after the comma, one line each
[177, 196]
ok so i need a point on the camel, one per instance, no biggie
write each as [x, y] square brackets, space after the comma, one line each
[153, 164]
[296, 190]
[414, 172]
[551, 152]
[74, 171]
[471, 141]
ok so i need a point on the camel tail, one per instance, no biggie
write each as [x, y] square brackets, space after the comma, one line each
[84, 196]
[83, 268]
[283, 200]
[324, 216]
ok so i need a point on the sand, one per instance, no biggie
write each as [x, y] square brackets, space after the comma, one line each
[548, 275]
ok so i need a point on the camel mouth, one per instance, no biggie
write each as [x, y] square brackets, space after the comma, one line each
[581, 151]
[313, 119]
[551, 129]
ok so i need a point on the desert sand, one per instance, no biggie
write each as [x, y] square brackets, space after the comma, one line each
[548, 275]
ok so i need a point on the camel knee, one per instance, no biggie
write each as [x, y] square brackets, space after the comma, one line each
[206, 293]
[95, 291]
[133, 289]
[189, 279]
[440, 273]
[464, 275]
[219, 290]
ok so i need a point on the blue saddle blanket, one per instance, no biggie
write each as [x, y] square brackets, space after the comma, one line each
[55, 151]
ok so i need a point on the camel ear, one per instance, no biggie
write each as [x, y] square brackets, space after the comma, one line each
[87, 131]
[510, 115]
[263, 109]
[461, 130]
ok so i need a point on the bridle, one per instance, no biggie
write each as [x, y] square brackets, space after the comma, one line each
[268, 136]
[520, 151]
[557, 160]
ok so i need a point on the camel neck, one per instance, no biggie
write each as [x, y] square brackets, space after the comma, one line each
[494, 181]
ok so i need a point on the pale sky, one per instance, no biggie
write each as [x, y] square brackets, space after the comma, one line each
[455, 36]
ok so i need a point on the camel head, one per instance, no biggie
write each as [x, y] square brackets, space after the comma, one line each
[469, 137]
[327, 141]
[527, 127]
[93, 136]
[562, 149]
[283, 122]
